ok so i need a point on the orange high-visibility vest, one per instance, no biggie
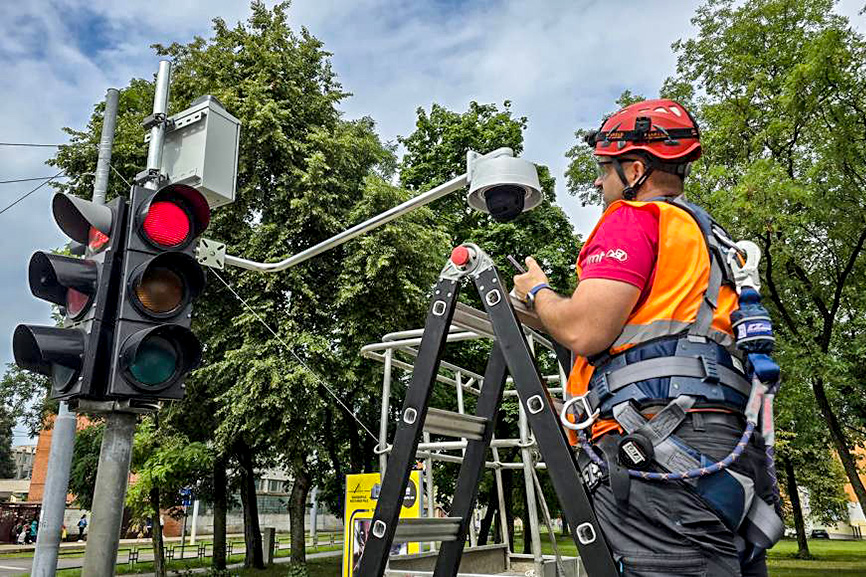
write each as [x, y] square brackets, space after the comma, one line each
[682, 272]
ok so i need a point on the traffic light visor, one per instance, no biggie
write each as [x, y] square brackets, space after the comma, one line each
[76, 216]
[154, 359]
[63, 280]
[50, 351]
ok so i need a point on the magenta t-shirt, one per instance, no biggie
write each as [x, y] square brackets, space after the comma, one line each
[624, 248]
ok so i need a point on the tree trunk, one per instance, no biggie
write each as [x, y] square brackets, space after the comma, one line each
[794, 496]
[156, 536]
[220, 506]
[840, 441]
[297, 511]
[252, 534]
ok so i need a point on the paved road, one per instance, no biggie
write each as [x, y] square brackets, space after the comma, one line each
[21, 566]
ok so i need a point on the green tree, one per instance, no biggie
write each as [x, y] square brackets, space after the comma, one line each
[7, 463]
[24, 396]
[164, 462]
[85, 459]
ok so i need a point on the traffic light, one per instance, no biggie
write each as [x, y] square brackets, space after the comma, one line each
[154, 348]
[85, 289]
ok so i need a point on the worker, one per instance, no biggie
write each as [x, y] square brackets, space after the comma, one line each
[654, 284]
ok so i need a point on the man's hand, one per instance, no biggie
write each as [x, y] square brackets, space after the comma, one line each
[533, 276]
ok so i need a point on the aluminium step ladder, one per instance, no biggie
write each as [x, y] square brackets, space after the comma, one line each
[510, 354]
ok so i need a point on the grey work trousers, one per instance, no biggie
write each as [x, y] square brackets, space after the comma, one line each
[667, 530]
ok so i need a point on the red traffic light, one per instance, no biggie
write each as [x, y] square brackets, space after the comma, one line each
[174, 216]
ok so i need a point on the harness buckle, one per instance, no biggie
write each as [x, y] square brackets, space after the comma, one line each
[711, 368]
[587, 410]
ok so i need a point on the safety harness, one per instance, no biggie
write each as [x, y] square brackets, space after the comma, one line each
[695, 368]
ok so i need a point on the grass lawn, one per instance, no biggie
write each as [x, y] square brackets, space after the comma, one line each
[831, 558]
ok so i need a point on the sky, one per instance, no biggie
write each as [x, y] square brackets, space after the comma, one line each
[562, 63]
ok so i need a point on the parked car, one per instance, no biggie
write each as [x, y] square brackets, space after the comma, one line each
[819, 534]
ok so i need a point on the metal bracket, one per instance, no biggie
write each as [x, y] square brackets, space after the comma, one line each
[150, 174]
[155, 119]
[211, 253]
[134, 406]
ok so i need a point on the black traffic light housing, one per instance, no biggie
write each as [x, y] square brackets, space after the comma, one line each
[75, 356]
[153, 348]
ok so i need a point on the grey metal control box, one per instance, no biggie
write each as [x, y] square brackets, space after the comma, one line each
[201, 150]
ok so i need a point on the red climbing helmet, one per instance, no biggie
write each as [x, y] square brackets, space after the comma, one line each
[663, 128]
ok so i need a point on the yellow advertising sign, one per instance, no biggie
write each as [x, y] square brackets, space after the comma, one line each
[362, 493]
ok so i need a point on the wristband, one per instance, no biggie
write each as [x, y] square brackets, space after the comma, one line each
[530, 296]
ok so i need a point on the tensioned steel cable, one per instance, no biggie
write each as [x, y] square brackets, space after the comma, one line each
[34, 179]
[294, 354]
[19, 199]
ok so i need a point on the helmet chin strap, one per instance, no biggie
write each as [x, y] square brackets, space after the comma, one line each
[630, 190]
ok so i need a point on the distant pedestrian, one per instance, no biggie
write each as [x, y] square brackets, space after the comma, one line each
[63, 534]
[22, 535]
[34, 529]
[82, 525]
[26, 532]
[148, 527]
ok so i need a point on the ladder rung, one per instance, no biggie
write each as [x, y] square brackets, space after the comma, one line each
[426, 529]
[441, 422]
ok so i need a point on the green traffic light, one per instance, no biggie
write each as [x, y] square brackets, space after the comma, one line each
[155, 362]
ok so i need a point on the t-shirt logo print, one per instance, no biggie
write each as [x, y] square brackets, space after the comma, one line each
[618, 254]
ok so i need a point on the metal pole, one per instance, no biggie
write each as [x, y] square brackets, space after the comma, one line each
[531, 506]
[428, 477]
[63, 436]
[54, 498]
[359, 229]
[349, 234]
[114, 456]
[383, 418]
[314, 514]
[528, 465]
[194, 522]
[106, 141]
[100, 556]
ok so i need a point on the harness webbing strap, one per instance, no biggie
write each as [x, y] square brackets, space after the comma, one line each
[661, 367]
[668, 452]
[706, 312]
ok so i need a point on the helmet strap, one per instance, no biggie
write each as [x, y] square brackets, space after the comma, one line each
[630, 190]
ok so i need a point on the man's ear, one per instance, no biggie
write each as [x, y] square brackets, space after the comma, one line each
[638, 168]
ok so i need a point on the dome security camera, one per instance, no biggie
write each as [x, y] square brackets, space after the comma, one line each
[502, 185]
